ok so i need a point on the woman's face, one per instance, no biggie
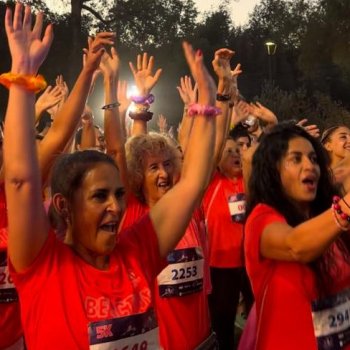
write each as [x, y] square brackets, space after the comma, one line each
[338, 145]
[230, 162]
[159, 176]
[96, 211]
[300, 172]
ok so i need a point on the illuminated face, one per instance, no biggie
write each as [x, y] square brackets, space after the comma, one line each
[300, 172]
[338, 145]
[159, 176]
[230, 162]
[96, 210]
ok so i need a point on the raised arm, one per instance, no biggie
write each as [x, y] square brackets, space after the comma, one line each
[264, 114]
[115, 137]
[67, 119]
[188, 94]
[145, 81]
[28, 225]
[48, 99]
[222, 68]
[124, 103]
[172, 213]
[88, 137]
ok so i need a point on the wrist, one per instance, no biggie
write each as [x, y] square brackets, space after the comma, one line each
[224, 86]
[22, 66]
[39, 110]
[89, 71]
[110, 78]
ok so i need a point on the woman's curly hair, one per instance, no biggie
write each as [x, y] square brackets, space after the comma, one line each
[138, 148]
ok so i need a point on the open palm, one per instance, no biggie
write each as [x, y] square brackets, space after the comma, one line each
[28, 49]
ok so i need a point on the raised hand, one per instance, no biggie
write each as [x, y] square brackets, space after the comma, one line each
[49, 98]
[62, 85]
[64, 92]
[109, 64]
[313, 129]
[222, 68]
[145, 80]
[28, 49]
[96, 48]
[162, 123]
[263, 113]
[240, 112]
[221, 63]
[206, 85]
[187, 92]
[234, 81]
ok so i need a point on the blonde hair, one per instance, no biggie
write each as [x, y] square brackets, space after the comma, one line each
[138, 148]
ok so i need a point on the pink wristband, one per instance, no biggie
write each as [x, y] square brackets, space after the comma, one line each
[208, 111]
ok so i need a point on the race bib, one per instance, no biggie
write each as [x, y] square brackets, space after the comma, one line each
[236, 205]
[183, 275]
[135, 332]
[8, 293]
[331, 319]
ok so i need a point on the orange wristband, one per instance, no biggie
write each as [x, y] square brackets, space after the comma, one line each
[34, 83]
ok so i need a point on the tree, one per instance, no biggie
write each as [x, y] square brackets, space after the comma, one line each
[325, 49]
[145, 24]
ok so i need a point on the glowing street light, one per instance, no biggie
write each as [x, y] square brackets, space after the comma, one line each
[271, 50]
[271, 47]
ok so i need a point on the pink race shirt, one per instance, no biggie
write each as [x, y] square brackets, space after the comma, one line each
[68, 304]
[224, 207]
[291, 315]
[181, 288]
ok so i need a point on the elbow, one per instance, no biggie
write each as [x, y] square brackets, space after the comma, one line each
[302, 256]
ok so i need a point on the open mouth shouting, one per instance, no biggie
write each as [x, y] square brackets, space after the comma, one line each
[310, 182]
[110, 227]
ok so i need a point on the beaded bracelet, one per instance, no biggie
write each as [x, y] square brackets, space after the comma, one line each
[207, 111]
[337, 210]
[143, 99]
[35, 83]
[144, 116]
[139, 108]
[111, 105]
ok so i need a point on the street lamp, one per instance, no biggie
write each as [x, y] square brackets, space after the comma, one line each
[271, 50]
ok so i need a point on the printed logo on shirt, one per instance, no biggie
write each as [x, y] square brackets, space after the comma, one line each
[8, 293]
[331, 319]
[134, 332]
[103, 307]
[236, 205]
[184, 274]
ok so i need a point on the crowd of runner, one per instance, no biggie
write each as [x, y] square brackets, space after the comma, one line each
[116, 237]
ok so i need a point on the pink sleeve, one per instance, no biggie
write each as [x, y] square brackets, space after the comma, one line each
[34, 277]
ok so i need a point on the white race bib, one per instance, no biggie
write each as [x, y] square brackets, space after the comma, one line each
[331, 319]
[8, 293]
[236, 206]
[184, 274]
